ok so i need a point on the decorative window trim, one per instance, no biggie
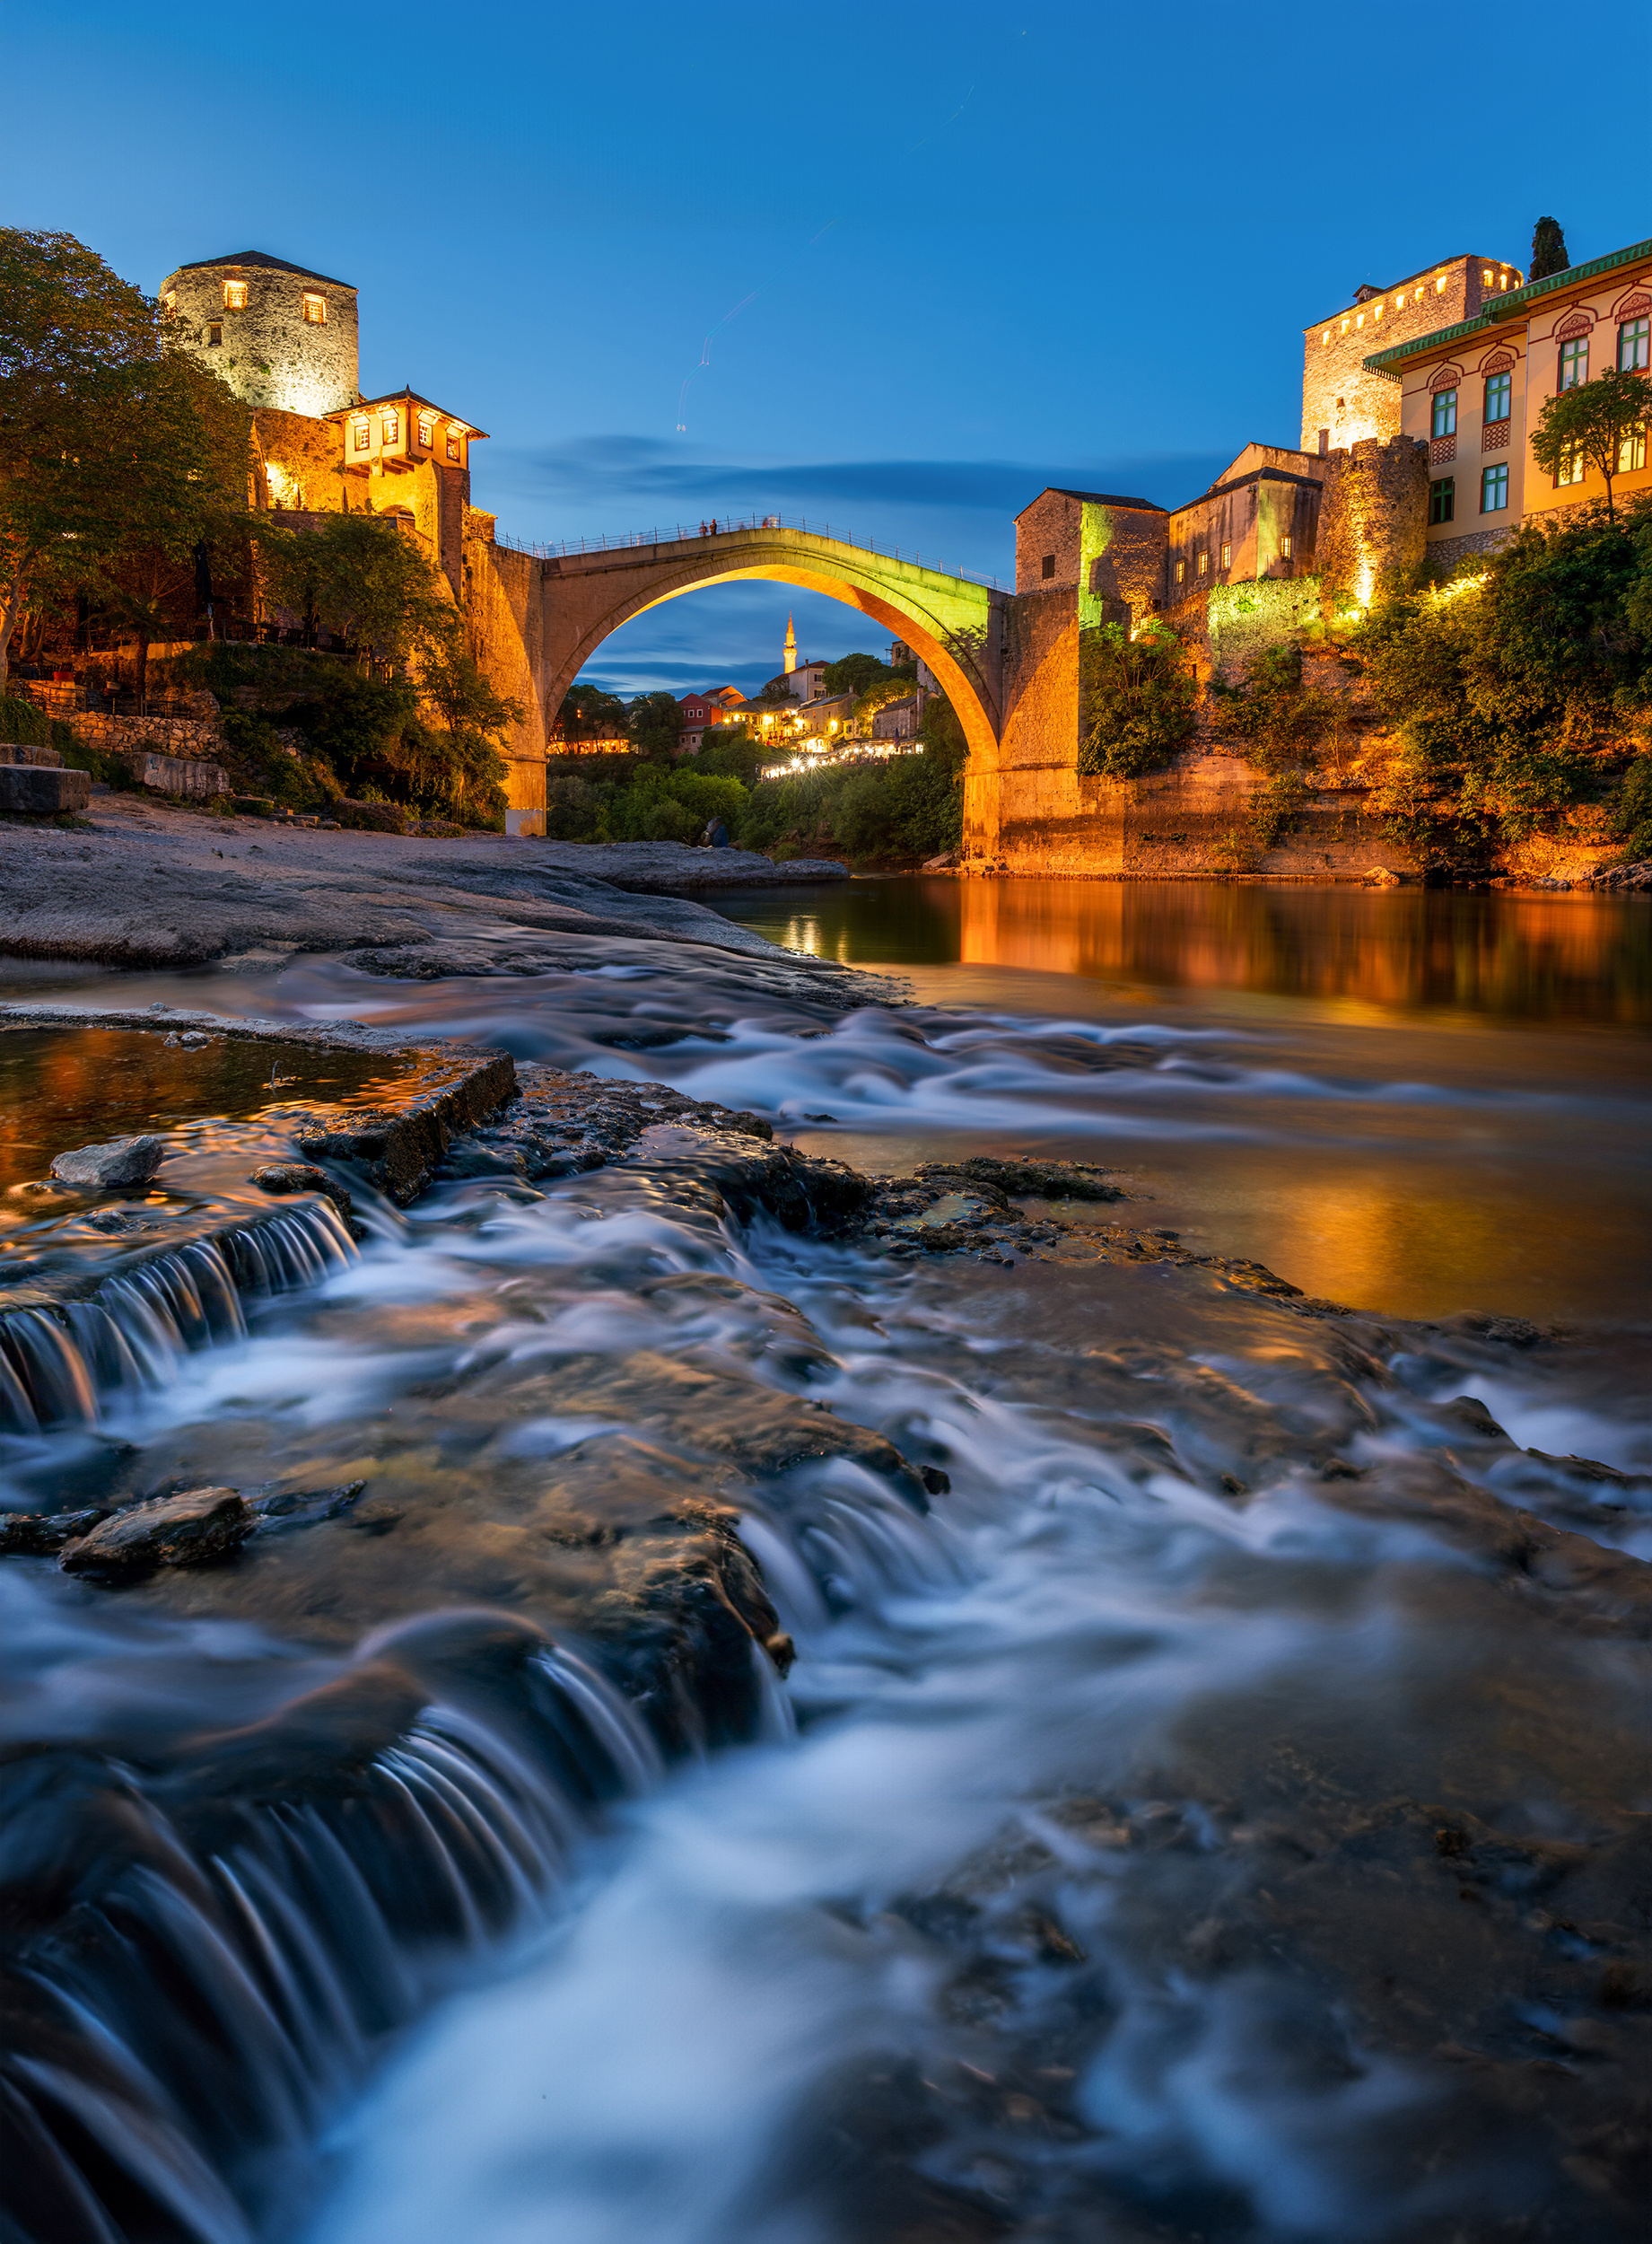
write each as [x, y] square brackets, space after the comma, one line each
[1634, 306]
[1494, 435]
[1442, 451]
[1499, 362]
[1445, 378]
[1580, 323]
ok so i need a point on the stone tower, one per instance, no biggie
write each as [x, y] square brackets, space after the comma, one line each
[791, 648]
[280, 336]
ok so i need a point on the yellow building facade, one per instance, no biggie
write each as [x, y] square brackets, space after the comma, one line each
[1473, 391]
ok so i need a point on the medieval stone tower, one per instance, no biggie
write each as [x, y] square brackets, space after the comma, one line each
[280, 336]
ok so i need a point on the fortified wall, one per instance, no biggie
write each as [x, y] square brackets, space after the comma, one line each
[1247, 566]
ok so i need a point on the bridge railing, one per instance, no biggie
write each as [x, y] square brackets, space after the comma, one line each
[726, 525]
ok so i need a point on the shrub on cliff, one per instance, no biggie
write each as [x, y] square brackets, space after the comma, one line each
[1517, 691]
[1138, 698]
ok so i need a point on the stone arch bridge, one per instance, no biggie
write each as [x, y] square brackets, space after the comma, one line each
[539, 618]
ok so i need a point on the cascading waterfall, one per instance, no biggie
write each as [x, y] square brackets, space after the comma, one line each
[57, 1363]
[288, 1936]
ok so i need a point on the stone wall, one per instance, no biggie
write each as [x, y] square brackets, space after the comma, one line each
[1266, 522]
[504, 623]
[268, 353]
[1338, 397]
[1375, 514]
[299, 462]
[176, 736]
[1110, 550]
[1444, 554]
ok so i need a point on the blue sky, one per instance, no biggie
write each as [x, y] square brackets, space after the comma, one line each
[890, 268]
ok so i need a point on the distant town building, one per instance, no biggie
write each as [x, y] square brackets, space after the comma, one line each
[900, 720]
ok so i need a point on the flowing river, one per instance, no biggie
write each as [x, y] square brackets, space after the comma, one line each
[1210, 1799]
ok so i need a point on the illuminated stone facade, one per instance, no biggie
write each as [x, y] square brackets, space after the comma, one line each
[279, 335]
[1342, 401]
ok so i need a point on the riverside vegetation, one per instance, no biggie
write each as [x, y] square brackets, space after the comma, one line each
[1514, 694]
[893, 813]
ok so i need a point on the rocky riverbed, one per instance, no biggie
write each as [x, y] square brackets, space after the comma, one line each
[135, 882]
[921, 1702]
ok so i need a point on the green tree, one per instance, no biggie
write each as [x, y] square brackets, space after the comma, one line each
[363, 579]
[1548, 250]
[589, 714]
[654, 721]
[112, 440]
[469, 772]
[728, 752]
[1597, 421]
[1138, 698]
[853, 673]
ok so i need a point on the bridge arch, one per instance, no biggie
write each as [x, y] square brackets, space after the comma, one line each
[956, 624]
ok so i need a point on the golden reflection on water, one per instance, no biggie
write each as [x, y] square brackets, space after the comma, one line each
[1587, 956]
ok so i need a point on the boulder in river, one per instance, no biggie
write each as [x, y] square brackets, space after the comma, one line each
[118, 1160]
[182, 1530]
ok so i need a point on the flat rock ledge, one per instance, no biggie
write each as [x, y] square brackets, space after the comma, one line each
[443, 1089]
[132, 883]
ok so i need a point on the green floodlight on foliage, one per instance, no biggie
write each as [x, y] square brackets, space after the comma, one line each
[1138, 699]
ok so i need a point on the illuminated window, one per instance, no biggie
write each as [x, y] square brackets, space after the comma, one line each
[214, 334]
[1181, 572]
[426, 430]
[1359, 319]
[1494, 489]
[363, 434]
[235, 296]
[1442, 500]
[453, 452]
[315, 311]
[1445, 422]
[390, 422]
[1439, 285]
[1486, 276]
[1499, 388]
[1345, 327]
[1325, 337]
[1572, 469]
[1284, 548]
[1205, 563]
[1574, 363]
[1632, 339]
[1632, 450]
[1227, 557]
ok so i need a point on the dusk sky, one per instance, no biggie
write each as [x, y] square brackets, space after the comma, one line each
[892, 269]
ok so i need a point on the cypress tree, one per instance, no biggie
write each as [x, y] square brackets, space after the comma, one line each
[1548, 250]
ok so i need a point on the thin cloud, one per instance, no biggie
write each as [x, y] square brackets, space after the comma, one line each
[591, 473]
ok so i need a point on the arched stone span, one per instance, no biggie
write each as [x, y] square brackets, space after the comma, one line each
[954, 625]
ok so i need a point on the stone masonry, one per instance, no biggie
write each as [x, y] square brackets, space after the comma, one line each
[245, 317]
[1343, 402]
[1374, 515]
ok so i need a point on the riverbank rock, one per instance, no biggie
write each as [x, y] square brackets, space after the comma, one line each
[118, 1162]
[188, 1530]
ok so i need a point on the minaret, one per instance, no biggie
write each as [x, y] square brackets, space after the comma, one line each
[791, 648]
